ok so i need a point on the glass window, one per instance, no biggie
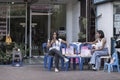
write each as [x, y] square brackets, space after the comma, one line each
[116, 19]
[58, 22]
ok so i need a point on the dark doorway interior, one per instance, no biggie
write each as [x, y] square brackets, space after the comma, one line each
[39, 33]
[17, 31]
[90, 18]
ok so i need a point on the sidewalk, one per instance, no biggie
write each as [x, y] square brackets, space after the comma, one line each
[37, 72]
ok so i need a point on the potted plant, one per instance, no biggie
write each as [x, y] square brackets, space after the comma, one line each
[5, 58]
[82, 37]
[82, 34]
[22, 48]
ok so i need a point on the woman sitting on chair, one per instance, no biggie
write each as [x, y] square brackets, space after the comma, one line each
[54, 50]
[99, 49]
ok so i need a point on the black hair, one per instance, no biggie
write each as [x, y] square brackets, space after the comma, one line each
[53, 34]
[101, 33]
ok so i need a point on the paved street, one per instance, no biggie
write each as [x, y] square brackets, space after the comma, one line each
[37, 72]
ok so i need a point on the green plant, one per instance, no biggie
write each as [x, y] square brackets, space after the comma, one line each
[82, 35]
[22, 48]
[5, 58]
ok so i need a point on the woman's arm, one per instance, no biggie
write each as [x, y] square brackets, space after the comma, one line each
[49, 43]
[92, 42]
[65, 42]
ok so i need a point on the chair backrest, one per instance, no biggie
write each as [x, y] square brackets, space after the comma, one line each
[63, 46]
[115, 55]
[88, 45]
[70, 50]
[44, 46]
[75, 47]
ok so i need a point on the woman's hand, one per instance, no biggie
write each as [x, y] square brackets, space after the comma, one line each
[68, 46]
[84, 42]
[93, 50]
[48, 45]
[52, 41]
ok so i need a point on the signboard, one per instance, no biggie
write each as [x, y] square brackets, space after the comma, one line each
[117, 23]
[101, 1]
[117, 18]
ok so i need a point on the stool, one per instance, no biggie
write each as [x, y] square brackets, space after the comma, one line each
[17, 56]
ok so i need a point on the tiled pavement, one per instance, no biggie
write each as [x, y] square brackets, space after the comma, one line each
[37, 72]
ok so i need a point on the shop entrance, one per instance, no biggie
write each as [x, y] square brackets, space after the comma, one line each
[40, 23]
[29, 30]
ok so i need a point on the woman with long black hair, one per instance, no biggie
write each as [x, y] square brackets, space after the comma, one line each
[54, 49]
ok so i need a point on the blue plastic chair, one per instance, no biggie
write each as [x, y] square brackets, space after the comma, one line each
[88, 45]
[75, 47]
[45, 55]
[74, 62]
[113, 65]
[83, 58]
[49, 59]
[74, 58]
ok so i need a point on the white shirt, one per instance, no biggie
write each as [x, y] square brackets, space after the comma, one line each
[100, 43]
[56, 45]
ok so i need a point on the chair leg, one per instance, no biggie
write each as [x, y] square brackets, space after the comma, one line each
[67, 65]
[118, 68]
[109, 68]
[49, 63]
[45, 61]
[105, 67]
[74, 63]
[62, 63]
[80, 66]
[81, 60]
[112, 68]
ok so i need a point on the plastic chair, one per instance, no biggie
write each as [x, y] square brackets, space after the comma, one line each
[114, 64]
[62, 60]
[45, 55]
[75, 47]
[106, 57]
[74, 58]
[49, 59]
[83, 58]
[74, 62]
[16, 55]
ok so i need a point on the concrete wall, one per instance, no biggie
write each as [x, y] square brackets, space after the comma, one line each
[105, 22]
[72, 23]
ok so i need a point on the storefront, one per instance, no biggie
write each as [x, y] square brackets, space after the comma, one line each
[108, 18]
[31, 23]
